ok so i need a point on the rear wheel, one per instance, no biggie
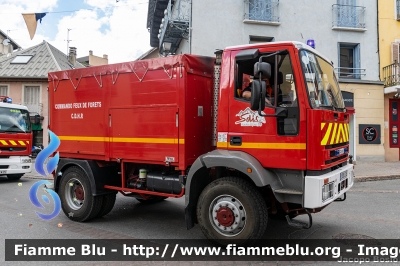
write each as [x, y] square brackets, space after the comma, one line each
[77, 200]
[14, 177]
[107, 205]
[231, 208]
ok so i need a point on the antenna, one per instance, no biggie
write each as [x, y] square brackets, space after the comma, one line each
[7, 42]
[68, 40]
[7, 39]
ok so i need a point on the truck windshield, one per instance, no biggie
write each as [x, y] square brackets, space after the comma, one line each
[323, 88]
[14, 120]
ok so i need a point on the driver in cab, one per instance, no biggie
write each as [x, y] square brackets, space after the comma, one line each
[246, 92]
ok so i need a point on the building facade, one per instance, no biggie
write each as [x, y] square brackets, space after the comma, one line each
[93, 60]
[389, 43]
[23, 77]
[345, 31]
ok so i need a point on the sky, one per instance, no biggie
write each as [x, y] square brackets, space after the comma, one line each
[117, 29]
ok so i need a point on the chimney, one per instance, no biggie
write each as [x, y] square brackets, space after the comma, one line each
[72, 55]
[105, 56]
[90, 52]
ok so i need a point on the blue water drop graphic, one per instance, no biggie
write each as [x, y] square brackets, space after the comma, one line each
[45, 198]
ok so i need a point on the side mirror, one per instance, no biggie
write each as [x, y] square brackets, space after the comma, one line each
[263, 69]
[255, 95]
[37, 120]
[258, 92]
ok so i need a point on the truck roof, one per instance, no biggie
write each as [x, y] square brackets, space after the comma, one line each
[195, 64]
[13, 106]
[298, 45]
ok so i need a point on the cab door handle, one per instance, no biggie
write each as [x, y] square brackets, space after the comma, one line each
[236, 141]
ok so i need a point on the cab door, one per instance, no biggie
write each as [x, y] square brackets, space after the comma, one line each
[275, 141]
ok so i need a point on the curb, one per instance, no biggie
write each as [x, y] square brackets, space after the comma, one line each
[38, 177]
[375, 178]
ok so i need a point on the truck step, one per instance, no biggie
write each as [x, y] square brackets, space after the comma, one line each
[288, 191]
[300, 224]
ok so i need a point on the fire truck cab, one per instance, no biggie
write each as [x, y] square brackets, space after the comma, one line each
[15, 139]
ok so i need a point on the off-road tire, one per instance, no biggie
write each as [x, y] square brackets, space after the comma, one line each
[107, 205]
[78, 210]
[244, 196]
[14, 176]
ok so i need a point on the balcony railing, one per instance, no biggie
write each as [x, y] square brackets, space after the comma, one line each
[350, 73]
[345, 16]
[261, 11]
[391, 75]
[174, 26]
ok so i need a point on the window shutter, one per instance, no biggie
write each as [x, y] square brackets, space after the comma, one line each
[32, 99]
[3, 90]
[398, 9]
[395, 52]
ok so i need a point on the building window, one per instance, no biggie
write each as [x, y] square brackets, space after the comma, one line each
[347, 14]
[32, 99]
[21, 59]
[349, 61]
[3, 90]
[262, 10]
[260, 39]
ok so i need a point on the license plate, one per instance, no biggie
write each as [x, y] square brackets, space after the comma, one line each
[343, 175]
[2, 172]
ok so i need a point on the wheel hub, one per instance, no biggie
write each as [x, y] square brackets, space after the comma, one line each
[74, 194]
[227, 215]
[79, 193]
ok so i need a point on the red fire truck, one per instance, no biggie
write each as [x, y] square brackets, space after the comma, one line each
[15, 139]
[179, 126]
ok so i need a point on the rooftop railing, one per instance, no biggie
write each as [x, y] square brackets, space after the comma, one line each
[346, 16]
[261, 10]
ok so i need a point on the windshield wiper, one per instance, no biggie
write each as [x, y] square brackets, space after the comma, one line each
[14, 131]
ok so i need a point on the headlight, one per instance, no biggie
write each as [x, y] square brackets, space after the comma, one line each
[327, 191]
[27, 160]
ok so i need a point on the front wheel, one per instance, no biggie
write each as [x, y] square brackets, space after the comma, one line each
[232, 208]
[77, 200]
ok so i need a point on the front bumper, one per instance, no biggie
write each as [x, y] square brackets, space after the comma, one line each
[15, 165]
[340, 181]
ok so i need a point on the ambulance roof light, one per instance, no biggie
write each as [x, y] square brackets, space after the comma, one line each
[6, 99]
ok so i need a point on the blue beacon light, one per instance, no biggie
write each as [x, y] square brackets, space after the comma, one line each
[311, 43]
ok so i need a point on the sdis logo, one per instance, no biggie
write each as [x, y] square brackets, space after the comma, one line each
[51, 166]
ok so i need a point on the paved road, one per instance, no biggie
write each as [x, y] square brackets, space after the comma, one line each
[371, 210]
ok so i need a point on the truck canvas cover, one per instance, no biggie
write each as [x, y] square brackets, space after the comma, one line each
[151, 110]
[198, 65]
